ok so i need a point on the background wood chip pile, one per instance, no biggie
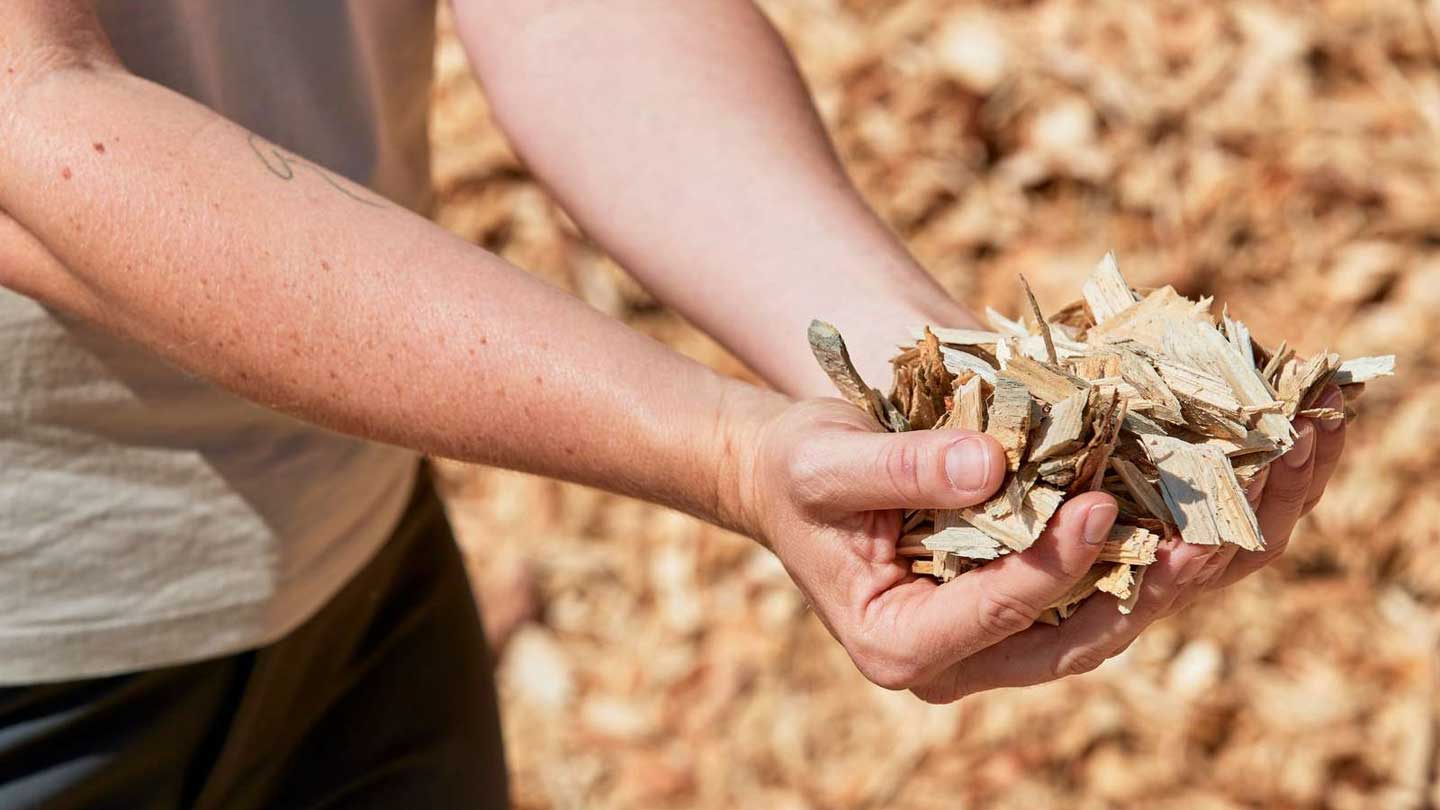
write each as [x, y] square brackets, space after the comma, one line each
[1280, 156]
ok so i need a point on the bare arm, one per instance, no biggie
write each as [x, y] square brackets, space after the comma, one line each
[156, 219]
[682, 138]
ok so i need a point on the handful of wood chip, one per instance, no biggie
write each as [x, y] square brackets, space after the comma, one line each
[1146, 397]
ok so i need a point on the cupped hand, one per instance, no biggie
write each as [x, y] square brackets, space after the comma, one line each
[826, 491]
[1097, 631]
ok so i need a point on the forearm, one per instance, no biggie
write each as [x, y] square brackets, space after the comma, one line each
[681, 137]
[176, 229]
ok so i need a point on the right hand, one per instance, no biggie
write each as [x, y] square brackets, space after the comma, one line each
[825, 490]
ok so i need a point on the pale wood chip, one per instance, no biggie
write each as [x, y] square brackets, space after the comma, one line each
[1203, 494]
[1018, 530]
[1201, 346]
[958, 362]
[1128, 604]
[1004, 325]
[1117, 581]
[1106, 292]
[1141, 489]
[1042, 325]
[1150, 385]
[1364, 369]
[1147, 322]
[961, 337]
[955, 535]
[969, 410]
[1008, 418]
[1239, 336]
[1271, 372]
[1049, 385]
[1062, 428]
[1129, 544]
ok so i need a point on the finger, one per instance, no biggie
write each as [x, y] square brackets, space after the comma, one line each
[1329, 445]
[1286, 490]
[974, 611]
[1213, 570]
[1094, 633]
[922, 469]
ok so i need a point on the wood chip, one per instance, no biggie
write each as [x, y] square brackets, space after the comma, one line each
[1049, 385]
[1150, 398]
[1141, 489]
[1130, 544]
[1061, 431]
[1106, 292]
[1202, 493]
[969, 407]
[1364, 369]
[1008, 418]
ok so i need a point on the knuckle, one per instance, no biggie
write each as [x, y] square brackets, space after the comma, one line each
[884, 668]
[1079, 662]
[888, 673]
[1002, 614]
[936, 696]
[901, 465]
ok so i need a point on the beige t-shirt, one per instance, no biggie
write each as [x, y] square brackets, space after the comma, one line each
[148, 518]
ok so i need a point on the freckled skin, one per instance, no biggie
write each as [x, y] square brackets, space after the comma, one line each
[99, 147]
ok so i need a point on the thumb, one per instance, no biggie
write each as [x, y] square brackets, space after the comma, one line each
[923, 469]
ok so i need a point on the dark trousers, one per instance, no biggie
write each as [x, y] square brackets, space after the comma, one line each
[384, 699]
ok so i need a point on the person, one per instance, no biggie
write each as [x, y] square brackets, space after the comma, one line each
[223, 583]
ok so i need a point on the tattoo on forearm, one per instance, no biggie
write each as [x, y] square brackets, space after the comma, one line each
[283, 166]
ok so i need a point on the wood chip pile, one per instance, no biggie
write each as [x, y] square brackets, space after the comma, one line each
[1277, 155]
[1147, 397]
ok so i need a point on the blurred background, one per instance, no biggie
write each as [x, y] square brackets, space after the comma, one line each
[1281, 156]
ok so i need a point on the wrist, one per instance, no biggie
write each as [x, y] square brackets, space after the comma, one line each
[743, 413]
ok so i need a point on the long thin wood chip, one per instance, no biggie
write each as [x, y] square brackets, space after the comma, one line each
[955, 535]
[1040, 323]
[1141, 489]
[834, 358]
[969, 410]
[1239, 336]
[1049, 385]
